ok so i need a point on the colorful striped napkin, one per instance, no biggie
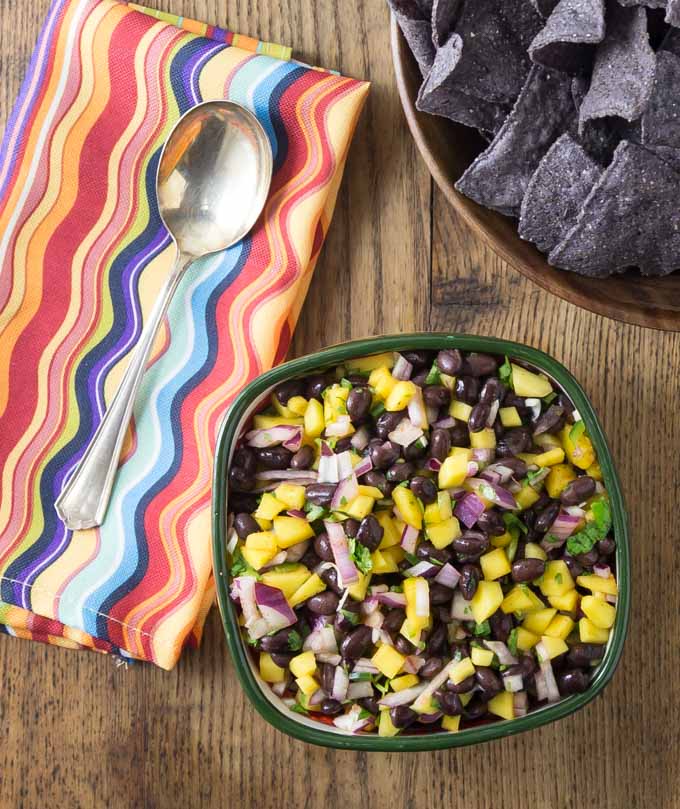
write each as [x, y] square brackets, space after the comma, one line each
[82, 254]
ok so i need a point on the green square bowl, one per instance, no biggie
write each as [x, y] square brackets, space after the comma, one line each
[254, 395]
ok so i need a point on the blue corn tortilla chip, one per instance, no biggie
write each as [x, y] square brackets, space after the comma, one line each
[661, 118]
[671, 42]
[439, 94]
[623, 72]
[669, 154]
[568, 40]
[544, 7]
[444, 17]
[416, 27]
[498, 178]
[630, 219]
[647, 3]
[556, 193]
[673, 12]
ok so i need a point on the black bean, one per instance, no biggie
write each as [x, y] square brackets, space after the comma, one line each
[278, 642]
[436, 396]
[420, 376]
[449, 703]
[274, 457]
[370, 704]
[512, 400]
[415, 451]
[431, 668]
[460, 649]
[578, 490]
[426, 550]
[480, 364]
[310, 559]
[546, 517]
[583, 654]
[303, 458]
[327, 677]
[471, 544]
[245, 458]
[322, 547]
[384, 455]
[564, 401]
[402, 716]
[329, 576]
[463, 687]
[551, 421]
[588, 559]
[393, 620]
[492, 390]
[244, 524]
[282, 659]
[436, 642]
[478, 417]
[450, 361]
[243, 502]
[476, 708]
[460, 436]
[572, 681]
[331, 707]
[439, 594]
[315, 386]
[343, 444]
[351, 526]
[525, 666]
[286, 390]
[320, 494]
[498, 429]
[606, 546]
[323, 603]
[424, 488]
[377, 479]
[418, 358]
[356, 643]
[501, 625]
[440, 444]
[519, 468]
[387, 422]
[517, 440]
[400, 471]
[527, 569]
[240, 480]
[359, 403]
[490, 682]
[467, 389]
[404, 646]
[469, 579]
[370, 532]
[491, 522]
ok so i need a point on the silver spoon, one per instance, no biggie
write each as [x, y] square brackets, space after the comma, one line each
[212, 183]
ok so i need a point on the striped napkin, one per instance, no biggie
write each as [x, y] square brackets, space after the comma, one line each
[82, 255]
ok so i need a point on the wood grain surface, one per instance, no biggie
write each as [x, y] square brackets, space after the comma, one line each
[79, 732]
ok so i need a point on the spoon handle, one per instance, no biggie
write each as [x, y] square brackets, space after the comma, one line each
[85, 497]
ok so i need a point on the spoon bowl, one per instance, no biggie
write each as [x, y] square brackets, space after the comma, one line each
[212, 183]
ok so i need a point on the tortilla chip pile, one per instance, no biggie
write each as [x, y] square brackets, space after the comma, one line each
[580, 103]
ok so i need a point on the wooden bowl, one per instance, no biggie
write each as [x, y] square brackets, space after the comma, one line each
[449, 148]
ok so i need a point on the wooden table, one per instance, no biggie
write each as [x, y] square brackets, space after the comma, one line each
[79, 732]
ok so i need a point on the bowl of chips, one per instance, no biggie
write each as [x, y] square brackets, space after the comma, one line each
[553, 128]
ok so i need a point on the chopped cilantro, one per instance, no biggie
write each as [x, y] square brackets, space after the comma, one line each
[377, 410]
[360, 555]
[364, 714]
[240, 567]
[346, 383]
[551, 539]
[512, 642]
[382, 687]
[434, 377]
[434, 561]
[577, 431]
[597, 529]
[411, 558]
[505, 372]
[251, 641]
[360, 676]
[512, 521]
[482, 630]
[397, 588]
[352, 617]
[315, 512]
[343, 501]
[297, 708]
[487, 492]
[558, 578]
[550, 398]
[294, 641]
[531, 476]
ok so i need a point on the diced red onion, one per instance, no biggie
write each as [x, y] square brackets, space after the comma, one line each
[344, 464]
[383, 637]
[423, 699]
[340, 684]
[326, 451]
[612, 599]
[535, 406]
[432, 414]
[392, 599]
[374, 619]
[424, 568]
[491, 491]
[340, 428]
[491, 475]
[273, 435]
[483, 455]
[296, 512]
[409, 539]
[317, 697]
[504, 472]
[287, 474]
[575, 511]
[416, 410]
[338, 542]
[366, 665]
[294, 443]
[445, 424]
[374, 589]
[232, 543]
[469, 509]
[321, 641]
[505, 657]
[328, 468]
[403, 697]
[513, 682]
[456, 493]
[279, 559]
[448, 576]
[279, 688]
[370, 605]
[540, 475]
[402, 369]
[360, 690]
[493, 412]
[405, 433]
[433, 464]
[564, 525]
[602, 570]
[350, 721]
[520, 702]
[333, 660]
[472, 469]
[360, 438]
[365, 465]
[422, 599]
[296, 552]
[289, 702]
[552, 691]
[273, 606]
[460, 608]
[345, 492]
[413, 664]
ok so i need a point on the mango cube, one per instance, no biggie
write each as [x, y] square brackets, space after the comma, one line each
[303, 665]
[526, 497]
[596, 584]
[486, 600]
[417, 592]
[527, 384]
[432, 515]
[405, 681]
[444, 533]
[560, 627]
[551, 457]
[310, 587]
[385, 726]
[519, 599]
[539, 621]
[481, 657]
[388, 661]
[257, 559]
[400, 395]
[495, 564]
[381, 563]
[454, 469]
[559, 478]
[552, 647]
[360, 507]
[580, 452]
[269, 507]
[370, 491]
[298, 405]
[461, 670]
[315, 423]
[460, 410]
[534, 551]
[307, 684]
[390, 534]
[600, 612]
[267, 422]
[269, 671]
[510, 417]
[363, 364]
[556, 580]
[382, 382]
[484, 439]
[358, 590]
[589, 633]
[501, 541]
[503, 705]
[262, 541]
[526, 640]
[291, 495]
[594, 471]
[408, 506]
[565, 603]
[287, 577]
[451, 723]
[290, 531]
